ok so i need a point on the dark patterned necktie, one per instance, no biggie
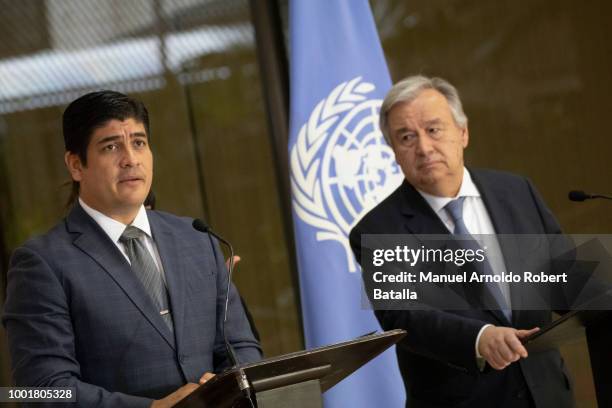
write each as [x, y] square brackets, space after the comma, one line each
[147, 271]
[455, 210]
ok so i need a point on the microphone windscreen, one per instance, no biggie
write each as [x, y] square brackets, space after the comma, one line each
[576, 195]
[200, 225]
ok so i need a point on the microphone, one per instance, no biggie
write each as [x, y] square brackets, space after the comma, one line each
[205, 228]
[577, 195]
[241, 378]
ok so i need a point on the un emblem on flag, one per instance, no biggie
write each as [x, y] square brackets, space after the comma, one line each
[341, 166]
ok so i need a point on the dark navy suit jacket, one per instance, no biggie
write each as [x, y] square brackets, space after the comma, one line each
[77, 316]
[437, 357]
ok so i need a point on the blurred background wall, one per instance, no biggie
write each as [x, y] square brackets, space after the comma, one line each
[534, 78]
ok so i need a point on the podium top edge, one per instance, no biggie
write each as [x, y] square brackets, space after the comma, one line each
[396, 335]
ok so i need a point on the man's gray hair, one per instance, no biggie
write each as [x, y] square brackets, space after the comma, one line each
[409, 88]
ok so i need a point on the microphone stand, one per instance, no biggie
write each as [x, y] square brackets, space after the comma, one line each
[242, 379]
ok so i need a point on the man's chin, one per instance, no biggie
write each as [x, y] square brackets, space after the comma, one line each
[131, 200]
[430, 176]
[427, 182]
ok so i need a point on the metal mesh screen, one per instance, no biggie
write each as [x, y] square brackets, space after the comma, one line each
[58, 49]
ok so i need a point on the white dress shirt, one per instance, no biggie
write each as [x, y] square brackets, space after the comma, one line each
[478, 222]
[114, 229]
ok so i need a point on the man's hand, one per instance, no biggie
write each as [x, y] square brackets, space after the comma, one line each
[236, 260]
[181, 393]
[172, 399]
[501, 346]
[206, 377]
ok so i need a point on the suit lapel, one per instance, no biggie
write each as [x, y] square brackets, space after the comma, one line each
[497, 209]
[419, 217]
[94, 242]
[169, 249]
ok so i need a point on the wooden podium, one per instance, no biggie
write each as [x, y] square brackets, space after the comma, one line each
[596, 325]
[294, 380]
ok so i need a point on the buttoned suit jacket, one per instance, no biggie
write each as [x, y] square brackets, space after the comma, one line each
[77, 316]
[437, 358]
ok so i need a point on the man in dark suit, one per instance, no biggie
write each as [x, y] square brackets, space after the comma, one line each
[123, 304]
[461, 358]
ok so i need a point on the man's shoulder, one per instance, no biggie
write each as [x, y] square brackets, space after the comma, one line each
[500, 182]
[496, 175]
[179, 225]
[52, 247]
[57, 235]
[386, 209]
[171, 220]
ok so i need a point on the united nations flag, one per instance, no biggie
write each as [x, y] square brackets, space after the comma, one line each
[341, 167]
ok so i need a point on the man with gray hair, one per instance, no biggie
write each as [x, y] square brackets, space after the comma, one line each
[461, 358]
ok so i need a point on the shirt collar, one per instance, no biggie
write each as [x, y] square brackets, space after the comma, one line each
[467, 189]
[114, 228]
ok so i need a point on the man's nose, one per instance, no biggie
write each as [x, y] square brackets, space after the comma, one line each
[424, 144]
[129, 158]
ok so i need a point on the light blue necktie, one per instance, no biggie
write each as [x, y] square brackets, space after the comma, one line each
[455, 210]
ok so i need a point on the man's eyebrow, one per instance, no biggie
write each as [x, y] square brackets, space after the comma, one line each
[434, 121]
[108, 139]
[402, 129]
[115, 137]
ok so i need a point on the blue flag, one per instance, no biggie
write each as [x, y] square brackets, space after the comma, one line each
[341, 167]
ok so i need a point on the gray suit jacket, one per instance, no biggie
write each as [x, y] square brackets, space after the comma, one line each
[77, 316]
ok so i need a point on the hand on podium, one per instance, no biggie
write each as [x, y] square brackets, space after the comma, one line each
[171, 399]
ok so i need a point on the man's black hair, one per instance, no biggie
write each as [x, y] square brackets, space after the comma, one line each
[91, 111]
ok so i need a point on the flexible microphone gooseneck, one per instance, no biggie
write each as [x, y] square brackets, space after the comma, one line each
[205, 228]
[241, 377]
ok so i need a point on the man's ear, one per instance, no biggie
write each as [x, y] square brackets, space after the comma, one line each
[465, 137]
[74, 165]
